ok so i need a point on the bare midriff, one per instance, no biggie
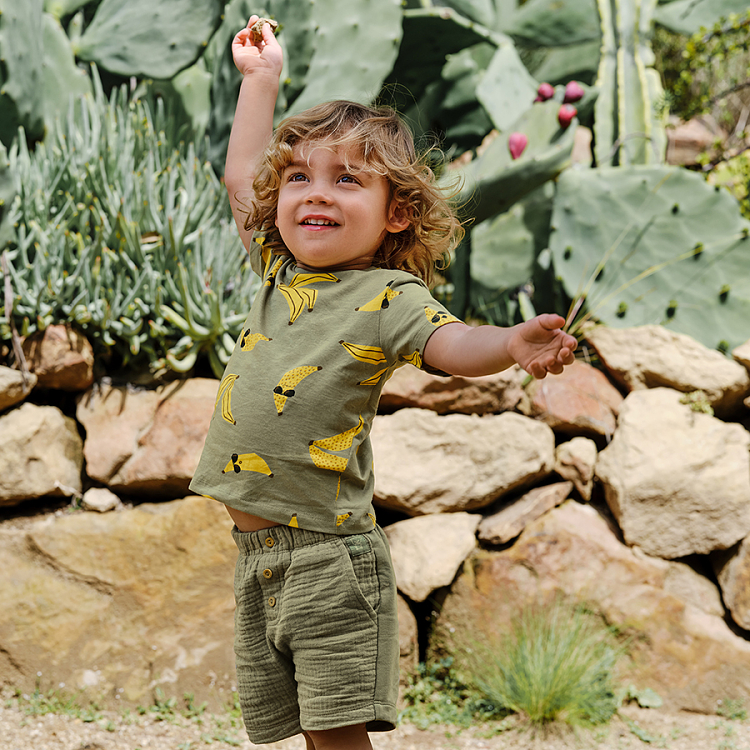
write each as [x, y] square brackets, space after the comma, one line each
[247, 522]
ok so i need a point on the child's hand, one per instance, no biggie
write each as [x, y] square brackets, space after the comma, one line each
[540, 345]
[250, 56]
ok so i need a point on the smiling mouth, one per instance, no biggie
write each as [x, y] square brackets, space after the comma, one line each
[319, 223]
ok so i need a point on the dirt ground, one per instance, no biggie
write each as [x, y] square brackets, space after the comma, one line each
[633, 728]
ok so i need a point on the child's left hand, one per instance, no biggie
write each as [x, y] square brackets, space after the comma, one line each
[540, 346]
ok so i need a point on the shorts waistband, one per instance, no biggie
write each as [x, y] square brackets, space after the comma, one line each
[276, 538]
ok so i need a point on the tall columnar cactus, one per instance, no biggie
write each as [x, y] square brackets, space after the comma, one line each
[654, 244]
[628, 126]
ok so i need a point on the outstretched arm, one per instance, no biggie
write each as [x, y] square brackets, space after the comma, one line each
[260, 63]
[538, 345]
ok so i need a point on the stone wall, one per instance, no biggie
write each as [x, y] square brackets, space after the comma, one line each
[626, 486]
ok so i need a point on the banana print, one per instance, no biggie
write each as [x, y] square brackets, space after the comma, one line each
[247, 462]
[249, 340]
[272, 275]
[294, 523]
[414, 359]
[439, 318]
[372, 518]
[381, 302]
[341, 442]
[225, 396]
[285, 389]
[373, 355]
[343, 517]
[374, 379]
[297, 297]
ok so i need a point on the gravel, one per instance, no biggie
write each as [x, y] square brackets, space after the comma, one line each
[110, 731]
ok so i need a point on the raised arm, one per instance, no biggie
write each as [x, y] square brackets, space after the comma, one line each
[538, 345]
[260, 63]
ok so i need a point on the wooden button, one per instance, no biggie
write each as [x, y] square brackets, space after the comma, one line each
[267, 573]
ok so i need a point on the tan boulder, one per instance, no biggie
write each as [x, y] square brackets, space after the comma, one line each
[41, 453]
[576, 460]
[689, 656]
[99, 499]
[13, 387]
[653, 356]
[122, 602]
[425, 463]
[676, 480]
[428, 550]
[61, 358]
[411, 387]
[732, 568]
[408, 641]
[510, 521]
[742, 354]
[579, 401]
[147, 440]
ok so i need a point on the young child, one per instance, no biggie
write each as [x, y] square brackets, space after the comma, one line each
[352, 225]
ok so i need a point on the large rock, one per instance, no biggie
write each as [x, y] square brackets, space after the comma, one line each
[408, 640]
[13, 387]
[678, 481]
[41, 453]
[61, 357]
[733, 572]
[147, 440]
[122, 602]
[428, 551]
[579, 401]
[411, 387]
[425, 463]
[508, 522]
[686, 654]
[653, 356]
[742, 354]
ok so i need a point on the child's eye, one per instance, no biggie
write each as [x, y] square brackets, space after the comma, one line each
[297, 177]
[349, 179]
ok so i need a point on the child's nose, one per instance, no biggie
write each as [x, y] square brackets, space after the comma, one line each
[319, 193]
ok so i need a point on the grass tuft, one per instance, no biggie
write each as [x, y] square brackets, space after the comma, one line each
[555, 665]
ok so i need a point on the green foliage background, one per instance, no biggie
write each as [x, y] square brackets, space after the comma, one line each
[115, 118]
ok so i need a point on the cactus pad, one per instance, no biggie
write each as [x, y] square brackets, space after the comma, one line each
[657, 245]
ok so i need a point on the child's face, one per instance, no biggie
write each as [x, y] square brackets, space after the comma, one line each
[332, 214]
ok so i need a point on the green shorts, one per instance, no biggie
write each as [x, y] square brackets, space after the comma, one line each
[316, 632]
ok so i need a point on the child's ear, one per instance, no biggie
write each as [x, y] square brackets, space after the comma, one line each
[398, 217]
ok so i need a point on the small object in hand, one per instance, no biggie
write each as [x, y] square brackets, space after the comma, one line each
[257, 28]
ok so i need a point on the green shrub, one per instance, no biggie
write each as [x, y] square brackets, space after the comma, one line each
[123, 229]
[556, 664]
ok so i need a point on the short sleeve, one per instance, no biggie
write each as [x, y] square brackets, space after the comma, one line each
[410, 318]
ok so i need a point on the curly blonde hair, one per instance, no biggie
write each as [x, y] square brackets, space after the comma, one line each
[386, 147]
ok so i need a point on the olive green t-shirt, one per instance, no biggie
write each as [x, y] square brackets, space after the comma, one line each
[289, 438]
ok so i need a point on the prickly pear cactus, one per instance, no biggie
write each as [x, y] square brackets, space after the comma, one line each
[493, 182]
[654, 244]
[21, 69]
[688, 17]
[355, 47]
[147, 38]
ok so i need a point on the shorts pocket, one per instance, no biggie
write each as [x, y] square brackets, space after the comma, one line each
[364, 568]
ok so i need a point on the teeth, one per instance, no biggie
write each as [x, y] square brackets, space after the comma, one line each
[320, 222]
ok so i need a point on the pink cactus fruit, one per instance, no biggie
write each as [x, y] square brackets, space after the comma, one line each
[517, 142]
[573, 92]
[544, 92]
[565, 115]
